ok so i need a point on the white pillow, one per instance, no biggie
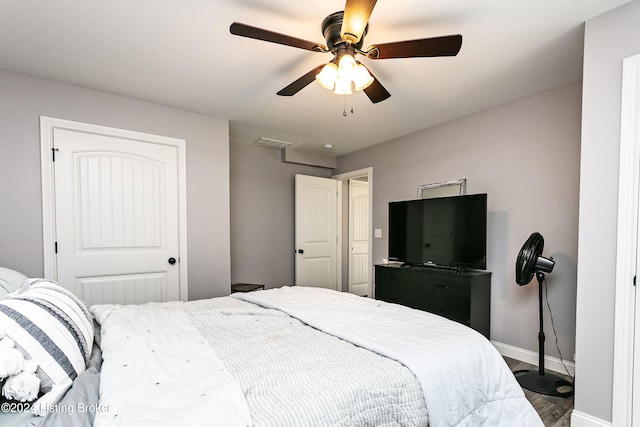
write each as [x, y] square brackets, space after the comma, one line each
[10, 280]
[52, 327]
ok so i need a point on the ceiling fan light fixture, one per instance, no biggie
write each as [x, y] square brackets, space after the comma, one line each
[362, 79]
[327, 76]
[346, 67]
[339, 74]
[343, 87]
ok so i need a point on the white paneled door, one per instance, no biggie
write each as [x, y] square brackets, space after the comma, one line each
[626, 352]
[316, 231]
[117, 216]
[359, 237]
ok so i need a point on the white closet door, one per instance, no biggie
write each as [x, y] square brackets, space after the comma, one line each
[359, 237]
[116, 218]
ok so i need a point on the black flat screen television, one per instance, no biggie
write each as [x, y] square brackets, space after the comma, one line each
[444, 232]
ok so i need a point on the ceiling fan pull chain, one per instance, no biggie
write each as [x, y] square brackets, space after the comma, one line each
[344, 111]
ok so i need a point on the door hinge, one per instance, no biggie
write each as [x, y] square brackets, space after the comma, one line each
[53, 153]
[634, 280]
[55, 247]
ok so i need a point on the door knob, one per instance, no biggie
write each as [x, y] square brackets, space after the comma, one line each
[172, 260]
[300, 251]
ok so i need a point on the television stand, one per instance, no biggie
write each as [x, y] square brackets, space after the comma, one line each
[462, 296]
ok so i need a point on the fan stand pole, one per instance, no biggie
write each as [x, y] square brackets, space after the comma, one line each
[541, 336]
[540, 381]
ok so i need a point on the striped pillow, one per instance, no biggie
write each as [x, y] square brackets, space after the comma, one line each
[53, 327]
[10, 280]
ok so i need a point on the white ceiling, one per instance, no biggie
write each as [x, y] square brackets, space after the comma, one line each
[180, 53]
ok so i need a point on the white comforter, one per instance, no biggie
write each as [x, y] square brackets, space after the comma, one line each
[294, 375]
[159, 371]
[464, 379]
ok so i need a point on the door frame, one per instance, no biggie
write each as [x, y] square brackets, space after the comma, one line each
[47, 127]
[368, 172]
[625, 328]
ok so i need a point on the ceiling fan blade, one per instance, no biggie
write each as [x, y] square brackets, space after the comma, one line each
[376, 92]
[356, 17]
[301, 83]
[244, 30]
[435, 46]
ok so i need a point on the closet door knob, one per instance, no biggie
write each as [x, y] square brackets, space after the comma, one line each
[172, 260]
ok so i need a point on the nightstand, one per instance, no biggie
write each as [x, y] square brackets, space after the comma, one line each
[246, 287]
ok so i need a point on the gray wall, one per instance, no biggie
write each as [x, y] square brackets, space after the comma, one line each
[262, 206]
[609, 39]
[24, 99]
[525, 155]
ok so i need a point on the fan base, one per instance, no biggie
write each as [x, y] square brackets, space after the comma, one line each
[545, 383]
[331, 27]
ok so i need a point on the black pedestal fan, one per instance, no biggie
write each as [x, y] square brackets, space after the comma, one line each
[530, 261]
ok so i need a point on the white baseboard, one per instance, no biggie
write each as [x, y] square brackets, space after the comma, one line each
[530, 357]
[578, 419]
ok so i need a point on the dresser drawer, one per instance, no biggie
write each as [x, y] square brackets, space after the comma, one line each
[444, 286]
[396, 278]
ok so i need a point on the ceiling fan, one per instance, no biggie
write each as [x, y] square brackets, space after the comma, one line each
[344, 33]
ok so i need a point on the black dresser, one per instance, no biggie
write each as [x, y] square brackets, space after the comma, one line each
[461, 296]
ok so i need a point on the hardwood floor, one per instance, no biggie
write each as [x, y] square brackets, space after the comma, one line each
[554, 411]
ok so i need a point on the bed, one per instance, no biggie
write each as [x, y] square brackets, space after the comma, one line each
[293, 356]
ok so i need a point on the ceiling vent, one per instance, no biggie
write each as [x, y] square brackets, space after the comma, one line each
[271, 143]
